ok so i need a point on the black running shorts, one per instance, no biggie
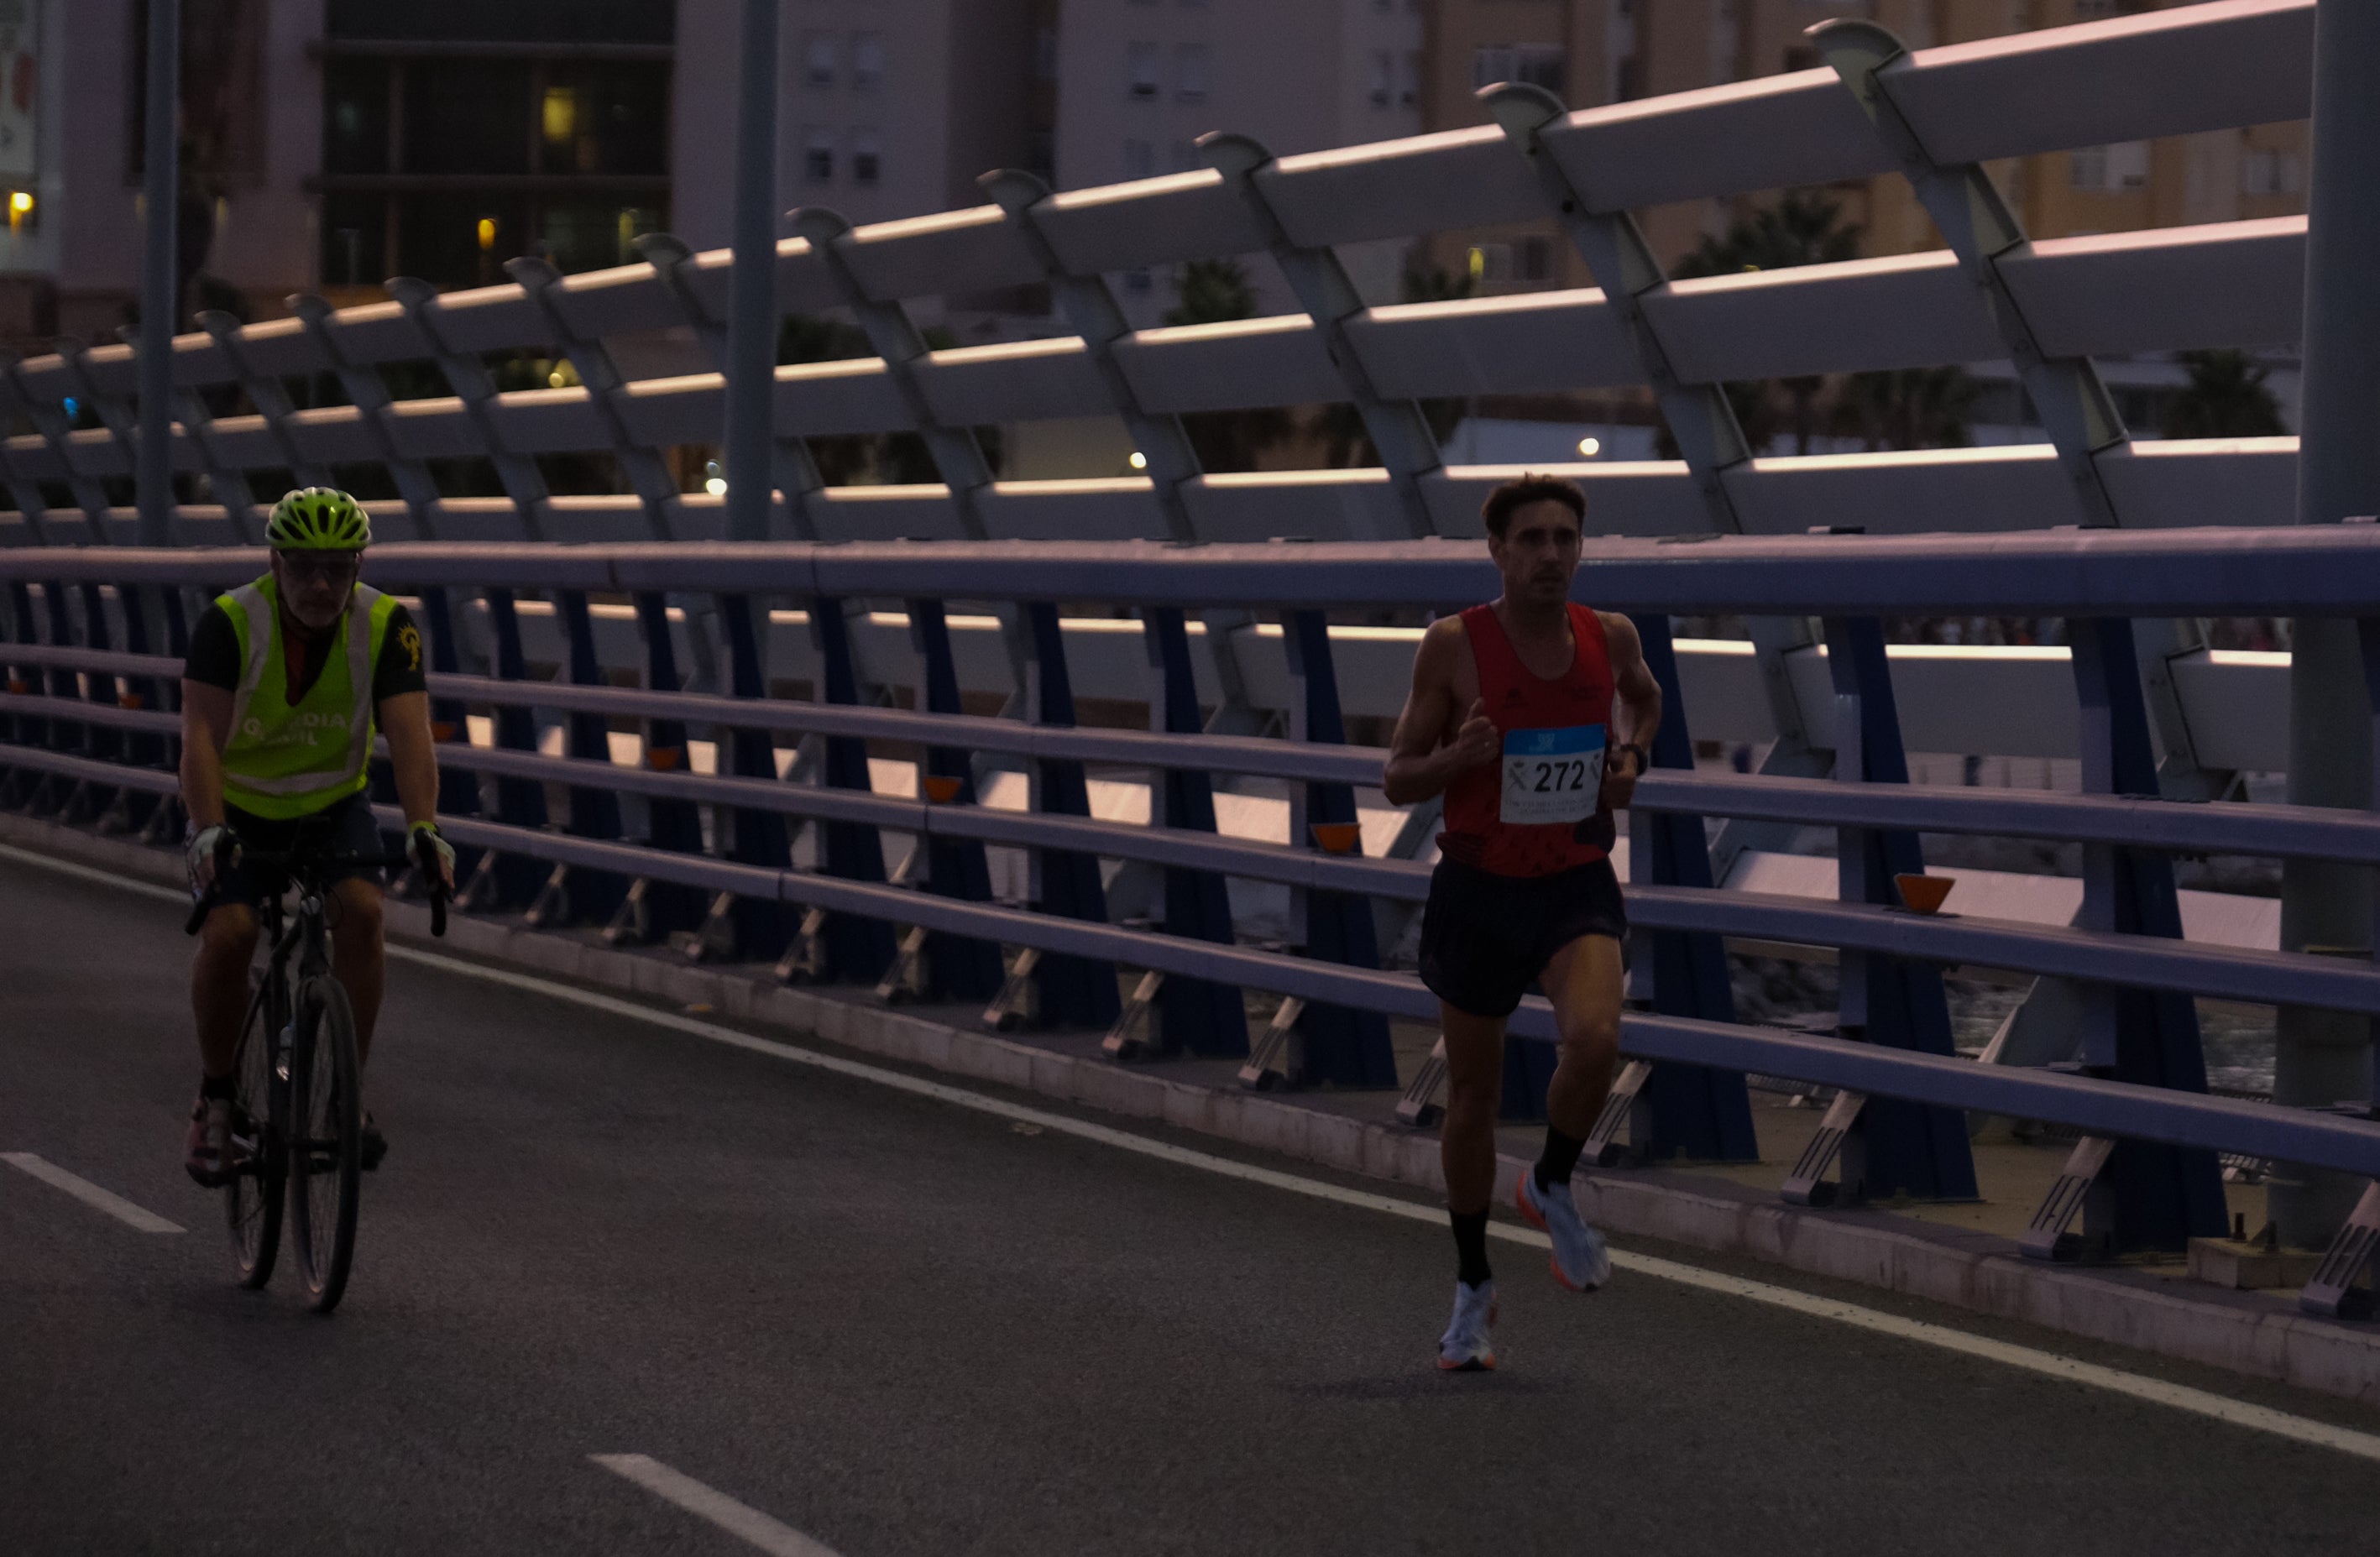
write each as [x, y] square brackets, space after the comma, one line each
[1484, 938]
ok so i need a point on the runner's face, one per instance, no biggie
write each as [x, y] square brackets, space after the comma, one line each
[1539, 554]
[315, 584]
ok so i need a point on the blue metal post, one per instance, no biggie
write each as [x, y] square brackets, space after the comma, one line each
[2163, 1196]
[1911, 1147]
[857, 949]
[675, 824]
[1685, 1110]
[760, 836]
[957, 967]
[520, 803]
[1348, 1048]
[594, 812]
[1071, 990]
[1197, 1016]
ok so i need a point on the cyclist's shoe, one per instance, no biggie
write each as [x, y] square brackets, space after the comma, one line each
[210, 1158]
[1580, 1261]
[1466, 1347]
[374, 1146]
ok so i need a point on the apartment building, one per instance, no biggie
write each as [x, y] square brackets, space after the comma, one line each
[1141, 80]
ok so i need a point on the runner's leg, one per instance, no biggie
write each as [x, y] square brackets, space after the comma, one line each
[1585, 980]
[1475, 1082]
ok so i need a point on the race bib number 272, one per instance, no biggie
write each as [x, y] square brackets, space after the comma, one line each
[1552, 775]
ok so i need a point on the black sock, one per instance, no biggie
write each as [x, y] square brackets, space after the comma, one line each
[224, 1087]
[1470, 1247]
[1560, 1156]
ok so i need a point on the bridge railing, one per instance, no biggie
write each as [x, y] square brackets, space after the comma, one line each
[763, 861]
[2183, 69]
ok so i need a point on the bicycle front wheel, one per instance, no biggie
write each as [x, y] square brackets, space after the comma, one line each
[259, 1120]
[326, 1143]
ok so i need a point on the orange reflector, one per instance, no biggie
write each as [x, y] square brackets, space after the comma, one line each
[1338, 837]
[441, 729]
[1924, 893]
[942, 791]
[663, 758]
[129, 700]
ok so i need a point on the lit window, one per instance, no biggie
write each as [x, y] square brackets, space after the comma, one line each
[818, 154]
[1143, 65]
[1190, 72]
[820, 55]
[866, 59]
[1139, 159]
[1491, 262]
[867, 155]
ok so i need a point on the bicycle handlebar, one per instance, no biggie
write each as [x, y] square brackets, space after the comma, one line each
[285, 861]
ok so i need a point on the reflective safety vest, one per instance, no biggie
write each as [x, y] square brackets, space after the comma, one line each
[284, 759]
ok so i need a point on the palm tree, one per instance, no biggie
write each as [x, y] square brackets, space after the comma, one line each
[2225, 398]
[1908, 408]
[1804, 228]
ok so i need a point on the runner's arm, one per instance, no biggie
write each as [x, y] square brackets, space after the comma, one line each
[1638, 694]
[1419, 766]
[206, 728]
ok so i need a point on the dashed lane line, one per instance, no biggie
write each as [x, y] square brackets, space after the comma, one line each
[738, 1519]
[89, 1194]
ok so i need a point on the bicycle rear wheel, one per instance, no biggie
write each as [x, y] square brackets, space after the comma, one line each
[326, 1140]
[252, 1201]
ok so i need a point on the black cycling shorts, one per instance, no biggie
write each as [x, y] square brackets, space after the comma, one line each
[1484, 938]
[344, 827]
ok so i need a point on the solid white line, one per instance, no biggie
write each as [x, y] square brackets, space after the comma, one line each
[2180, 1397]
[709, 1503]
[89, 1193]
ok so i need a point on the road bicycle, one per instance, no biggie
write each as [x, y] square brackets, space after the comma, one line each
[297, 1108]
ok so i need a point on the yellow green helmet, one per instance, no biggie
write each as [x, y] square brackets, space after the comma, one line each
[318, 519]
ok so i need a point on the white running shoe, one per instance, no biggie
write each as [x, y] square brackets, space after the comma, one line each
[1580, 1261]
[1466, 1347]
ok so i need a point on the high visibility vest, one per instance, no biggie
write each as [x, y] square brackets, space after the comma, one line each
[284, 759]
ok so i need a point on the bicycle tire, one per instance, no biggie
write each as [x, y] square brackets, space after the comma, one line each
[326, 1140]
[252, 1201]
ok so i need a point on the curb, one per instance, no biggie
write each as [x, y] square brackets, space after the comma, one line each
[2251, 1334]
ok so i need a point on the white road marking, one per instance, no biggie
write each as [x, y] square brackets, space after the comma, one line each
[2180, 1397]
[89, 1193]
[737, 1519]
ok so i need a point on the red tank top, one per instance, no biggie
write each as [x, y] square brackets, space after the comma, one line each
[1578, 705]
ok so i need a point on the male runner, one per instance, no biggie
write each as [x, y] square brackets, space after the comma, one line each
[285, 680]
[1511, 716]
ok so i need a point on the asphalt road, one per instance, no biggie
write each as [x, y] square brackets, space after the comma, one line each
[902, 1326]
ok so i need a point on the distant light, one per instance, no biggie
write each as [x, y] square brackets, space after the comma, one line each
[1479, 263]
[73, 406]
[561, 114]
[21, 203]
[1590, 447]
[716, 486]
[1139, 460]
[557, 379]
[487, 232]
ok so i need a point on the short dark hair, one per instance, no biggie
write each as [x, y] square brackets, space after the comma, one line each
[1514, 496]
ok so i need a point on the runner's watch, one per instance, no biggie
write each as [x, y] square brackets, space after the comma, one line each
[1643, 757]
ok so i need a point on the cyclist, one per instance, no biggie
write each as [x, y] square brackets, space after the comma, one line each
[287, 680]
